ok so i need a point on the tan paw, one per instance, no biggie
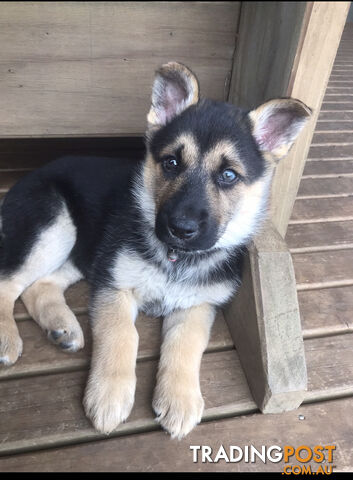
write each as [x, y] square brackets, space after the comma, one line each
[70, 340]
[10, 346]
[178, 408]
[109, 402]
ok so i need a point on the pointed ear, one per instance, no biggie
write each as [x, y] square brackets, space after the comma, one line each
[175, 88]
[276, 125]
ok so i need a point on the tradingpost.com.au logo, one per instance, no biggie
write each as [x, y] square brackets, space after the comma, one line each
[296, 459]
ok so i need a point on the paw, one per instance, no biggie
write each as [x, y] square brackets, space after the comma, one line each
[68, 338]
[108, 402]
[179, 408]
[10, 347]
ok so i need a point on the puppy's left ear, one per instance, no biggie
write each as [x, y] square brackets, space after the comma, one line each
[276, 125]
[175, 88]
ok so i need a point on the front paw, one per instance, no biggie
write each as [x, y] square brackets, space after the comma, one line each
[10, 346]
[109, 401]
[178, 407]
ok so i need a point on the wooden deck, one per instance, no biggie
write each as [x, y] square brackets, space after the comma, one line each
[42, 423]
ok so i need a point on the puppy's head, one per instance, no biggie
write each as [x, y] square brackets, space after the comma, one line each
[209, 164]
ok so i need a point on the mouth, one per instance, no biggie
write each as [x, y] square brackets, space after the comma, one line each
[172, 255]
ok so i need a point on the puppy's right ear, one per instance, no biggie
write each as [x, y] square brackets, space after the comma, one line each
[175, 88]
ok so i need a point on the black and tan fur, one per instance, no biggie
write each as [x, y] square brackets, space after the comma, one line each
[164, 235]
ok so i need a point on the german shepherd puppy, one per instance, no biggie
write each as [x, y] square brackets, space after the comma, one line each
[164, 236]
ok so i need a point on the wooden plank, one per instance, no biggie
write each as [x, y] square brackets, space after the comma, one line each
[264, 322]
[331, 151]
[322, 208]
[63, 395]
[321, 235]
[334, 125]
[268, 36]
[337, 115]
[40, 356]
[327, 379]
[337, 106]
[326, 186]
[323, 267]
[86, 68]
[328, 167]
[326, 311]
[316, 52]
[34, 422]
[333, 137]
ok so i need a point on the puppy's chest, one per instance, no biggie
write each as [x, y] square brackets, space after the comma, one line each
[160, 292]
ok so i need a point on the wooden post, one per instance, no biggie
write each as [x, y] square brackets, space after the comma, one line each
[284, 49]
[264, 322]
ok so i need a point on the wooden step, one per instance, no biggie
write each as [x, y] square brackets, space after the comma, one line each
[326, 167]
[336, 106]
[331, 125]
[326, 311]
[325, 424]
[305, 237]
[329, 268]
[35, 422]
[321, 208]
[328, 138]
[325, 186]
[337, 115]
[49, 401]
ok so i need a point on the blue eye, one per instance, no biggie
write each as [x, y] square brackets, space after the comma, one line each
[228, 176]
[170, 164]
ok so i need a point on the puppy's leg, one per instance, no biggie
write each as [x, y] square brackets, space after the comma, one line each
[10, 340]
[110, 391]
[46, 304]
[48, 251]
[177, 398]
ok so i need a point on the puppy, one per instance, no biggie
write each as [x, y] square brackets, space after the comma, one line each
[164, 235]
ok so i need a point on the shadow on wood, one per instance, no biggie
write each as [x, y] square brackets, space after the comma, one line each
[264, 322]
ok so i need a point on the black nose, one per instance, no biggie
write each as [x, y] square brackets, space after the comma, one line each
[183, 228]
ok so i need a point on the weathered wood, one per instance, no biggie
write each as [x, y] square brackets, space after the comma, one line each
[40, 356]
[323, 267]
[333, 137]
[314, 208]
[334, 125]
[317, 47]
[331, 151]
[286, 50]
[336, 115]
[325, 186]
[264, 322]
[267, 44]
[328, 167]
[86, 68]
[326, 311]
[223, 384]
[320, 235]
[337, 106]
[318, 424]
